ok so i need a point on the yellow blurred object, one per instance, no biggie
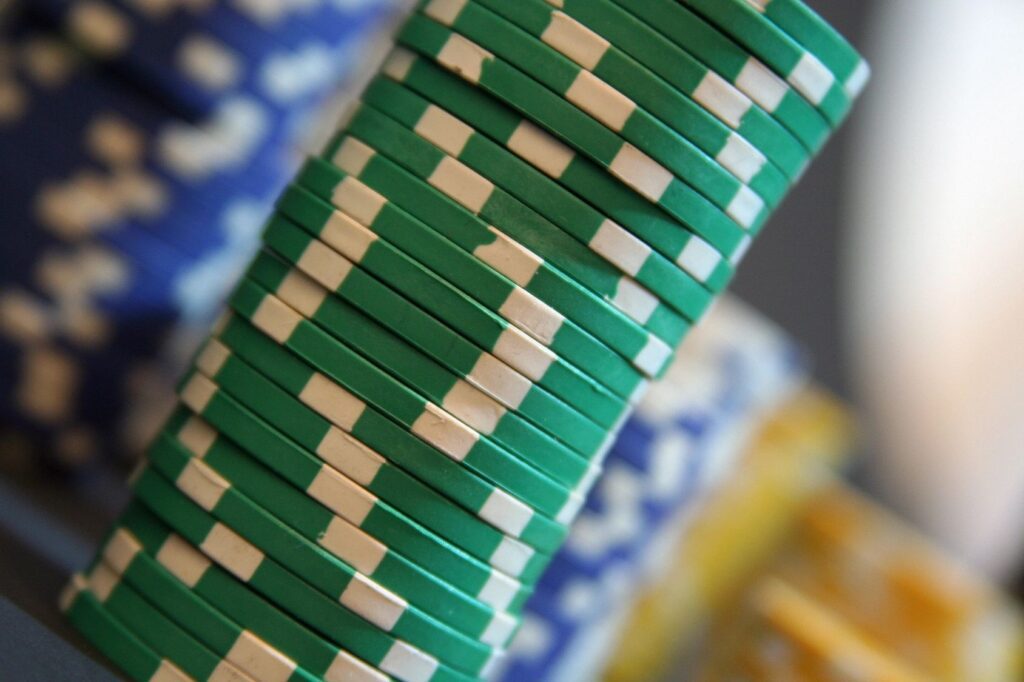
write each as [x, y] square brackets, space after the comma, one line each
[901, 591]
[786, 635]
[735, 530]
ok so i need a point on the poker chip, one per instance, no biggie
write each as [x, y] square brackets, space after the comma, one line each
[421, 432]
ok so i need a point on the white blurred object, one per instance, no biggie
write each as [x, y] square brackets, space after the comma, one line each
[934, 269]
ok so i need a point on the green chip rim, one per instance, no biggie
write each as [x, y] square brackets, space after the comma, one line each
[391, 612]
[383, 274]
[350, 393]
[265, 575]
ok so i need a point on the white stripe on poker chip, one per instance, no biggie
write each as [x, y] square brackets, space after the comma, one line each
[540, 149]
[570, 509]
[276, 319]
[641, 172]
[444, 130]
[653, 356]
[198, 392]
[371, 601]
[698, 258]
[232, 551]
[184, 561]
[323, 265]
[574, 40]
[740, 251]
[512, 556]
[620, 247]
[635, 301]
[600, 100]
[341, 495]
[532, 315]
[212, 357]
[523, 353]
[498, 591]
[197, 436]
[202, 484]
[408, 663]
[464, 57]
[499, 630]
[511, 515]
[509, 257]
[102, 580]
[857, 80]
[121, 550]
[462, 184]
[468, 403]
[352, 156]
[361, 551]
[499, 380]
[398, 63]
[358, 200]
[347, 668]
[719, 97]
[762, 84]
[331, 400]
[256, 657]
[811, 78]
[444, 432]
[741, 158]
[350, 456]
[444, 11]
[347, 236]
[745, 207]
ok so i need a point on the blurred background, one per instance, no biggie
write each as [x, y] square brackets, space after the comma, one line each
[896, 260]
[895, 263]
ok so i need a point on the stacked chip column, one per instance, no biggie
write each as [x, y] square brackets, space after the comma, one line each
[458, 303]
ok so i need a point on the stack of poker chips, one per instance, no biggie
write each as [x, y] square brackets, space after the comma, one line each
[144, 144]
[856, 594]
[458, 302]
[685, 440]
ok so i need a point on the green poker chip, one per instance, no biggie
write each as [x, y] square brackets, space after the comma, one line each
[387, 435]
[801, 69]
[165, 637]
[602, 102]
[694, 258]
[734, 84]
[340, 460]
[236, 554]
[692, 231]
[347, 543]
[539, 234]
[815, 34]
[243, 648]
[364, 425]
[585, 401]
[591, 335]
[594, 53]
[391, 354]
[190, 481]
[340, 497]
[356, 396]
[634, 168]
[616, 244]
[112, 638]
[142, 538]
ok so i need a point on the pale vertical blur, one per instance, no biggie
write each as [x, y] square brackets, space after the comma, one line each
[934, 272]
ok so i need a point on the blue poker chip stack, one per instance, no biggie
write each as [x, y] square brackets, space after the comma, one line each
[682, 438]
[143, 145]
